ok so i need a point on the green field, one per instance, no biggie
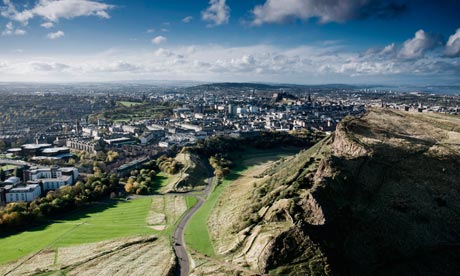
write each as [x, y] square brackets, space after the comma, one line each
[100, 222]
[190, 201]
[197, 234]
[129, 104]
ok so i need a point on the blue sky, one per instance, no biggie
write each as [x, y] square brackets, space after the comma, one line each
[290, 41]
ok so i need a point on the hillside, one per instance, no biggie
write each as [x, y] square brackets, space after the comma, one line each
[378, 197]
[192, 176]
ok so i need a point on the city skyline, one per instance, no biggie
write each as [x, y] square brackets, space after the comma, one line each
[305, 42]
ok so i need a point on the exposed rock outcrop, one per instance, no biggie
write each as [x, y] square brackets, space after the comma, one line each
[379, 197]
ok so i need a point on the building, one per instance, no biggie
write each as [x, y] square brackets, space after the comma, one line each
[84, 145]
[51, 178]
[23, 193]
[33, 149]
[125, 169]
[148, 136]
[130, 129]
[55, 151]
[119, 141]
[13, 181]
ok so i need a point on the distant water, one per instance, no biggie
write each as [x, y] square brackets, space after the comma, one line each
[449, 90]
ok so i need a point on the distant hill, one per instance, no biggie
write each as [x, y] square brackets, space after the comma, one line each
[263, 86]
[381, 196]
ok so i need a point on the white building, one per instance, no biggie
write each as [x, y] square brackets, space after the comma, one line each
[26, 193]
[52, 178]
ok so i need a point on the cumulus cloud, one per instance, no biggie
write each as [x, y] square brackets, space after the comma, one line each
[159, 39]
[389, 49]
[322, 63]
[187, 19]
[119, 66]
[452, 48]
[162, 52]
[47, 25]
[53, 10]
[279, 11]
[418, 45]
[11, 30]
[55, 35]
[217, 13]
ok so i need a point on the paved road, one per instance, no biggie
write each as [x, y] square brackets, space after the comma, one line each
[178, 236]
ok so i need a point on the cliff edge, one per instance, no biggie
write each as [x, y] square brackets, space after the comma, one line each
[381, 196]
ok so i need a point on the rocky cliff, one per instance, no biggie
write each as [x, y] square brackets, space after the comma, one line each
[381, 196]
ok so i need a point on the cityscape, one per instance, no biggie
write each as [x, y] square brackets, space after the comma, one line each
[225, 137]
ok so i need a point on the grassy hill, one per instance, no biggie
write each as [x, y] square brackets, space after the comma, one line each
[378, 197]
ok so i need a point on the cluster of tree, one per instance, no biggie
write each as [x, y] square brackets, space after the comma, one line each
[273, 139]
[168, 164]
[216, 145]
[133, 112]
[220, 165]
[142, 182]
[269, 139]
[55, 203]
[217, 149]
[111, 156]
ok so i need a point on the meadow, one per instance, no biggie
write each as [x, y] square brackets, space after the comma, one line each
[102, 221]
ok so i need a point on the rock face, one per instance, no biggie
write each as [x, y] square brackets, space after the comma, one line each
[381, 196]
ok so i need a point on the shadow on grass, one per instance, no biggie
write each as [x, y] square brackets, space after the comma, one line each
[74, 215]
[159, 183]
[257, 157]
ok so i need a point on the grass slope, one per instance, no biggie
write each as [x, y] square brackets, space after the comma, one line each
[99, 222]
[197, 233]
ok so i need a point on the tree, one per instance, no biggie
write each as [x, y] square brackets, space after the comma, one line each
[128, 187]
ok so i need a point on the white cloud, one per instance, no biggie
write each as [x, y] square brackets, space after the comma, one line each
[151, 30]
[187, 19]
[118, 66]
[9, 26]
[279, 11]
[53, 10]
[11, 30]
[47, 25]
[159, 39]
[19, 32]
[217, 13]
[52, 66]
[418, 45]
[452, 48]
[55, 35]
[162, 52]
[267, 63]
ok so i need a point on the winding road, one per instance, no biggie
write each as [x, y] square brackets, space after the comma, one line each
[178, 236]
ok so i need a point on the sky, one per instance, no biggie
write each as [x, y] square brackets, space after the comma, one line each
[388, 42]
